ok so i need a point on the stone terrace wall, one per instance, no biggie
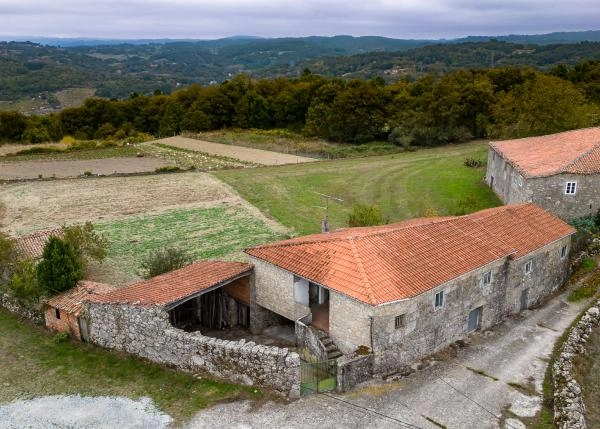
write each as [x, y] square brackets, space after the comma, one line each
[146, 332]
[14, 306]
[568, 402]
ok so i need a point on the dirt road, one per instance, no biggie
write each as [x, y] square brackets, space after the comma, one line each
[257, 156]
[74, 168]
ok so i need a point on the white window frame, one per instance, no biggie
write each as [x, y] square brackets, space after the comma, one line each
[571, 188]
[528, 268]
[564, 251]
[441, 300]
[486, 279]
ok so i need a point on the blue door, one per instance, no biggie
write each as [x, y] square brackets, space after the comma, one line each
[474, 319]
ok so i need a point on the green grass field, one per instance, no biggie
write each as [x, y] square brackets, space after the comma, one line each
[404, 185]
[32, 364]
[214, 232]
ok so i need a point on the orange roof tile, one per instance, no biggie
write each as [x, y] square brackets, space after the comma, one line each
[71, 301]
[176, 285]
[576, 151]
[32, 246]
[393, 262]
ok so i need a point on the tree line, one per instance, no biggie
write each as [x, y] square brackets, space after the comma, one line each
[433, 110]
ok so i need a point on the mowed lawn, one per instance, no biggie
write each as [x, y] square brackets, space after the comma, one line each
[32, 364]
[404, 185]
[221, 231]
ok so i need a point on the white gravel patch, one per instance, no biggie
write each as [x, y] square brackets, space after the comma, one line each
[82, 412]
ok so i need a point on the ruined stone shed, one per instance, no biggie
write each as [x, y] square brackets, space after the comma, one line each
[406, 290]
[162, 319]
[65, 312]
[559, 172]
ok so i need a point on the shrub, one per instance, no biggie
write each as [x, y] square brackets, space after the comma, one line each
[85, 242]
[365, 215]
[37, 151]
[167, 169]
[60, 268]
[586, 224]
[23, 283]
[8, 255]
[473, 163]
[163, 261]
[61, 337]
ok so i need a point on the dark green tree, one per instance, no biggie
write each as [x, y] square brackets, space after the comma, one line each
[59, 269]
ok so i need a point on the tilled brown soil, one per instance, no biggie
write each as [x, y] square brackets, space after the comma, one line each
[75, 168]
[42, 204]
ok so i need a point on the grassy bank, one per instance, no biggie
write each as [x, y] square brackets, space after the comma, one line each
[33, 364]
[404, 185]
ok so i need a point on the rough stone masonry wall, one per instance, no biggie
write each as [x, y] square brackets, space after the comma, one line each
[14, 306]
[568, 402]
[146, 332]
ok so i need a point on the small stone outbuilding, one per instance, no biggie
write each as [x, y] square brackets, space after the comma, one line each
[65, 312]
[32, 246]
[559, 172]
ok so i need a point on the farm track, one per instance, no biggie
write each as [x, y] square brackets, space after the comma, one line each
[257, 156]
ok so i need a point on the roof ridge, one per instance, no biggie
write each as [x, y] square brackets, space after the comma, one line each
[363, 273]
[579, 158]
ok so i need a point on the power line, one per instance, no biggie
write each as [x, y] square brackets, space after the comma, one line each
[475, 402]
[385, 416]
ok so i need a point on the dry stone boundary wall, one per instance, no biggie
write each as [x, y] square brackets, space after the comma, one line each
[146, 332]
[568, 401]
[14, 306]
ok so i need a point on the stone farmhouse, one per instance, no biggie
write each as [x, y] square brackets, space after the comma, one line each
[406, 290]
[32, 246]
[559, 172]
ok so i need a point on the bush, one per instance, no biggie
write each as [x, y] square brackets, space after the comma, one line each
[473, 163]
[364, 215]
[37, 151]
[23, 283]
[164, 261]
[61, 337]
[85, 242]
[585, 224]
[8, 255]
[60, 268]
[167, 169]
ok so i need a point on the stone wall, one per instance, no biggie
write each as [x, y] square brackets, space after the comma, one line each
[146, 332]
[275, 290]
[311, 348]
[14, 306]
[349, 322]
[507, 183]
[568, 402]
[549, 193]
[352, 370]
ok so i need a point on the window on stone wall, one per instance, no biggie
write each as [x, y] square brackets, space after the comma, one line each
[571, 188]
[487, 279]
[399, 321]
[57, 313]
[439, 300]
[528, 266]
[563, 252]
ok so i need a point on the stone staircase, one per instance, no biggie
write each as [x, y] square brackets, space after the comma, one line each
[332, 351]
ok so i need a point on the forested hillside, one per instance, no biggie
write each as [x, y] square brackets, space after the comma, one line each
[117, 71]
[432, 110]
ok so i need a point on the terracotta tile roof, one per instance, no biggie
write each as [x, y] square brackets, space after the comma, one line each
[393, 262]
[176, 285]
[576, 151]
[71, 301]
[32, 246]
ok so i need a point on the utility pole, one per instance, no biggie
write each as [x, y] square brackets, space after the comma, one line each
[325, 221]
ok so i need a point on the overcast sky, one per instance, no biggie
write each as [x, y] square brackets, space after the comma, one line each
[202, 19]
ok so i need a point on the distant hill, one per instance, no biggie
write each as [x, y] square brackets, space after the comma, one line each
[41, 72]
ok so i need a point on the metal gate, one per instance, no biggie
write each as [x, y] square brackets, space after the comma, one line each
[318, 376]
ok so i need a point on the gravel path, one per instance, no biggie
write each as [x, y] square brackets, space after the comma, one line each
[257, 156]
[74, 168]
[448, 392]
[103, 412]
